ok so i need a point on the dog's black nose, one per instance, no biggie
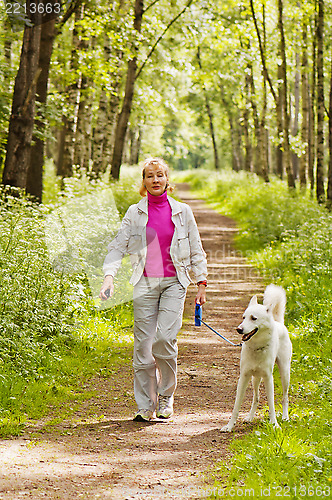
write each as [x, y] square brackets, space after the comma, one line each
[239, 330]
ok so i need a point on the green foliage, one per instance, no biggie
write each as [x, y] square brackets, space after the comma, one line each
[127, 188]
[288, 237]
[33, 296]
[52, 333]
[274, 463]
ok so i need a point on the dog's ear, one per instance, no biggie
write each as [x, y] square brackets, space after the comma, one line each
[253, 301]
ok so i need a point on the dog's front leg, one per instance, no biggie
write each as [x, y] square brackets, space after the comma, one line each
[269, 387]
[240, 391]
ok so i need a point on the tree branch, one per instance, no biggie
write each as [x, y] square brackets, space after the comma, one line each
[149, 6]
[261, 50]
[70, 11]
[161, 36]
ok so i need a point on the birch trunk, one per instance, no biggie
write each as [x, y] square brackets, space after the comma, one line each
[286, 120]
[83, 137]
[320, 192]
[106, 117]
[295, 127]
[329, 184]
[305, 107]
[246, 125]
[209, 114]
[66, 155]
[135, 144]
[279, 114]
[312, 114]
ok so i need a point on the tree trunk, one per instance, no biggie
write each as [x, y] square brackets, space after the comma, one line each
[305, 106]
[34, 184]
[138, 143]
[65, 167]
[209, 113]
[286, 120]
[329, 185]
[279, 115]
[108, 143]
[7, 53]
[135, 144]
[263, 130]
[82, 153]
[295, 127]
[236, 164]
[246, 124]
[104, 129]
[320, 192]
[268, 80]
[260, 166]
[237, 160]
[122, 123]
[212, 133]
[312, 114]
[82, 148]
[99, 134]
[83, 135]
[264, 167]
[23, 107]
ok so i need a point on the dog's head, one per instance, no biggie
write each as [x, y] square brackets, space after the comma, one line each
[256, 318]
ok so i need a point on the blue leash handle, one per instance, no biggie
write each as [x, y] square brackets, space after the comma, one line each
[198, 321]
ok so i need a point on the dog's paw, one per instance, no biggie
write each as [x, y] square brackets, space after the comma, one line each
[227, 428]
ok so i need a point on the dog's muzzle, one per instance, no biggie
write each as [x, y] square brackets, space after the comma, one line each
[246, 336]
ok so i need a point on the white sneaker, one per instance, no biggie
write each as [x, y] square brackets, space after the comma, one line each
[165, 406]
[143, 416]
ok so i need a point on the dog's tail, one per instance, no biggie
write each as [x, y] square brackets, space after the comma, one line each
[275, 298]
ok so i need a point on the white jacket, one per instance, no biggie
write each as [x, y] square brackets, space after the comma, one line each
[186, 248]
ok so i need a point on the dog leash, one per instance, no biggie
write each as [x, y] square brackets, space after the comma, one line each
[198, 321]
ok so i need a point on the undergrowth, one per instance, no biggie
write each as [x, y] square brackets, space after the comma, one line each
[53, 331]
[288, 237]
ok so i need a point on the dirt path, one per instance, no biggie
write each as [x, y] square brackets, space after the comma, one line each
[107, 455]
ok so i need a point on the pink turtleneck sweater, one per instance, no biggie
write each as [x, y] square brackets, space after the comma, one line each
[159, 234]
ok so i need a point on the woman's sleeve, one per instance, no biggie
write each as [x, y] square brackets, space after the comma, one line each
[197, 254]
[118, 246]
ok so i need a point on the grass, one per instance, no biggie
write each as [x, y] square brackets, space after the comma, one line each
[288, 237]
[99, 347]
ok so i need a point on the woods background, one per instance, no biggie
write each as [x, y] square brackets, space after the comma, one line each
[88, 86]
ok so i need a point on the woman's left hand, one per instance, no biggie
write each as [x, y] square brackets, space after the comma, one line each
[201, 295]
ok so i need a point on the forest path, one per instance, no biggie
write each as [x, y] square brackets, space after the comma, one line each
[100, 453]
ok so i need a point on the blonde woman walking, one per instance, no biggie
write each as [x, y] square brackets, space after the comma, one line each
[161, 236]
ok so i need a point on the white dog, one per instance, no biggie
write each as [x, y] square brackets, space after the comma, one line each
[265, 341]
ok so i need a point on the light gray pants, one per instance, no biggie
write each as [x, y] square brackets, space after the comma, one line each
[158, 310]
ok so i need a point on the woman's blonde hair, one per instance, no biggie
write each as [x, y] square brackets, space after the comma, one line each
[154, 161]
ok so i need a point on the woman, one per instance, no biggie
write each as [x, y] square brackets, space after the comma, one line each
[161, 236]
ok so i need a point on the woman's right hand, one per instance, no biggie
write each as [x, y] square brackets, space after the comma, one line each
[107, 285]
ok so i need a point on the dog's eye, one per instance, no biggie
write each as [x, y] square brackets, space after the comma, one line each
[253, 318]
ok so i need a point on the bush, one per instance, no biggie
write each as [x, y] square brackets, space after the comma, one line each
[50, 267]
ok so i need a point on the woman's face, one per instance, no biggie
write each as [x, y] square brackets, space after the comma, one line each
[155, 179]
